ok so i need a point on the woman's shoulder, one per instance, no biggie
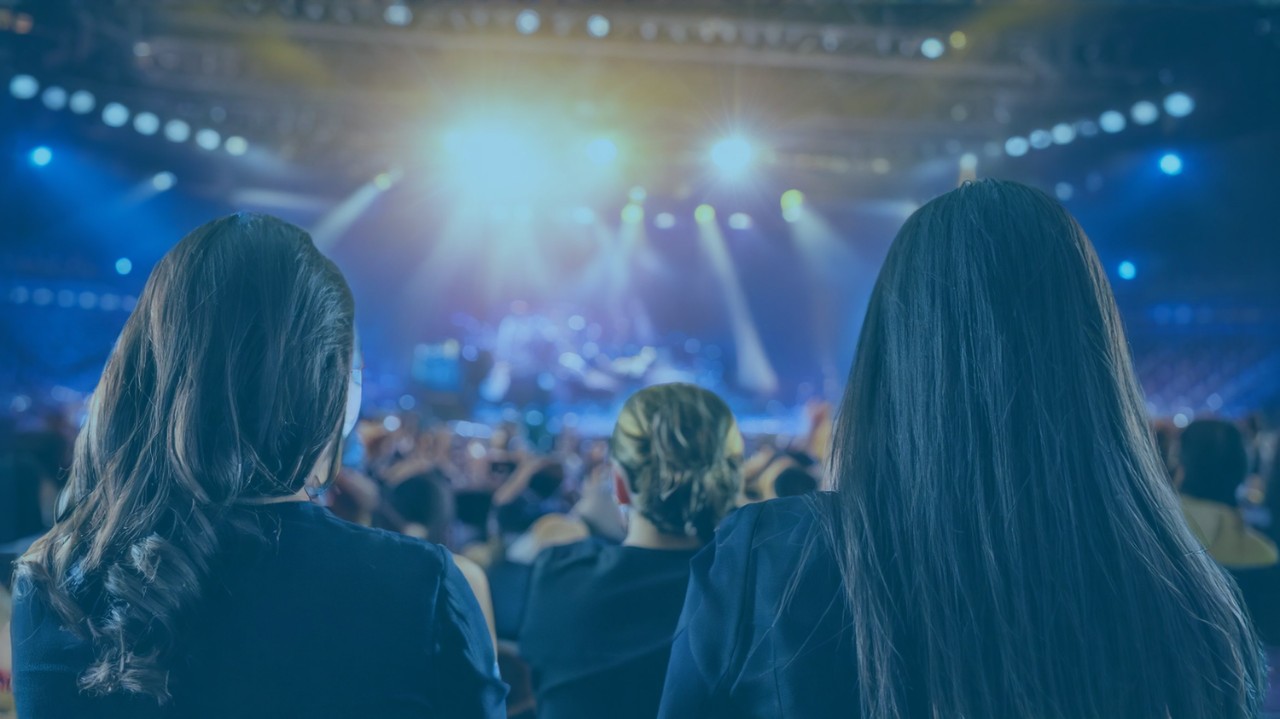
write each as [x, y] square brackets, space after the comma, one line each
[778, 525]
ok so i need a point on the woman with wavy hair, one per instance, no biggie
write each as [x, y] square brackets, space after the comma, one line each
[187, 574]
[598, 626]
[1002, 540]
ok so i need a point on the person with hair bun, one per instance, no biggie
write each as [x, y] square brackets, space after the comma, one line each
[600, 618]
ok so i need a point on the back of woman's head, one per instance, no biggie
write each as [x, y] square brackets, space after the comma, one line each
[1213, 460]
[228, 385]
[1009, 544]
[680, 452]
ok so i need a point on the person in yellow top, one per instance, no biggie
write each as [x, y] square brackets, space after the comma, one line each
[1212, 466]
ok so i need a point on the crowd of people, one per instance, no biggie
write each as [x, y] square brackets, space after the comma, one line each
[987, 526]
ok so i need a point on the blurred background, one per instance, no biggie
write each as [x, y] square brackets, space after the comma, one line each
[542, 207]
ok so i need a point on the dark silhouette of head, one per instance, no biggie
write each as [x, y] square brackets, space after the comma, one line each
[1212, 461]
[228, 386]
[1009, 543]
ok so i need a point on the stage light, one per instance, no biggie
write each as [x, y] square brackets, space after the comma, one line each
[1064, 191]
[969, 162]
[664, 221]
[81, 102]
[1040, 139]
[598, 25]
[740, 221]
[23, 87]
[881, 166]
[705, 214]
[637, 194]
[602, 151]
[1171, 164]
[236, 145]
[398, 14]
[124, 266]
[528, 21]
[932, 48]
[1016, 146]
[1087, 128]
[577, 323]
[208, 139]
[1179, 104]
[1111, 121]
[583, 215]
[391, 423]
[1063, 133]
[632, 214]
[1144, 112]
[54, 97]
[1127, 270]
[496, 159]
[115, 115]
[732, 155]
[146, 123]
[383, 181]
[959, 40]
[177, 131]
[41, 156]
[163, 181]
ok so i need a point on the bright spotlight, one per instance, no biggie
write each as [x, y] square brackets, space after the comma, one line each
[528, 21]
[124, 266]
[1016, 146]
[602, 151]
[54, 97]
[1040, 139]
[146, 123]
[664, 220]
[792, 200]
[598, 25]
[740, 221]
[1144, 112]
[177, 131]
[398, 14]
[1111, 121]
[1171, 164]
[932, 48]
[23, 87]
[115, 115]
[164, 181]
[208, 139]
[1127, 270]
[705, 214]
[236, 145]
[732, 155]
[969, 162]
[41, 156]
[1179, 104]
[632, 214]
[495, 158]
[1063, 133]
[81, 102]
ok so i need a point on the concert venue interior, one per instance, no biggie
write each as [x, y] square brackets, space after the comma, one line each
[544, 207]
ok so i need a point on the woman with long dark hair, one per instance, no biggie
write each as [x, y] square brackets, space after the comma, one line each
[188, 575]
[1002, 541]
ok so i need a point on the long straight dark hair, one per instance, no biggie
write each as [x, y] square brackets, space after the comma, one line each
[1009, 544]
[227, 384]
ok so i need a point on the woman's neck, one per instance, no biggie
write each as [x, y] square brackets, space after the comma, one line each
[642, 533]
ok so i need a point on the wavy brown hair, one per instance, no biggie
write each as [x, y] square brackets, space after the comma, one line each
[680, 450]
[228, 385]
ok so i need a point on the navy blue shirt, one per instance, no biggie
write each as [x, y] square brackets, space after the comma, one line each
[598, 628]
[765, 630]
[326, 619]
